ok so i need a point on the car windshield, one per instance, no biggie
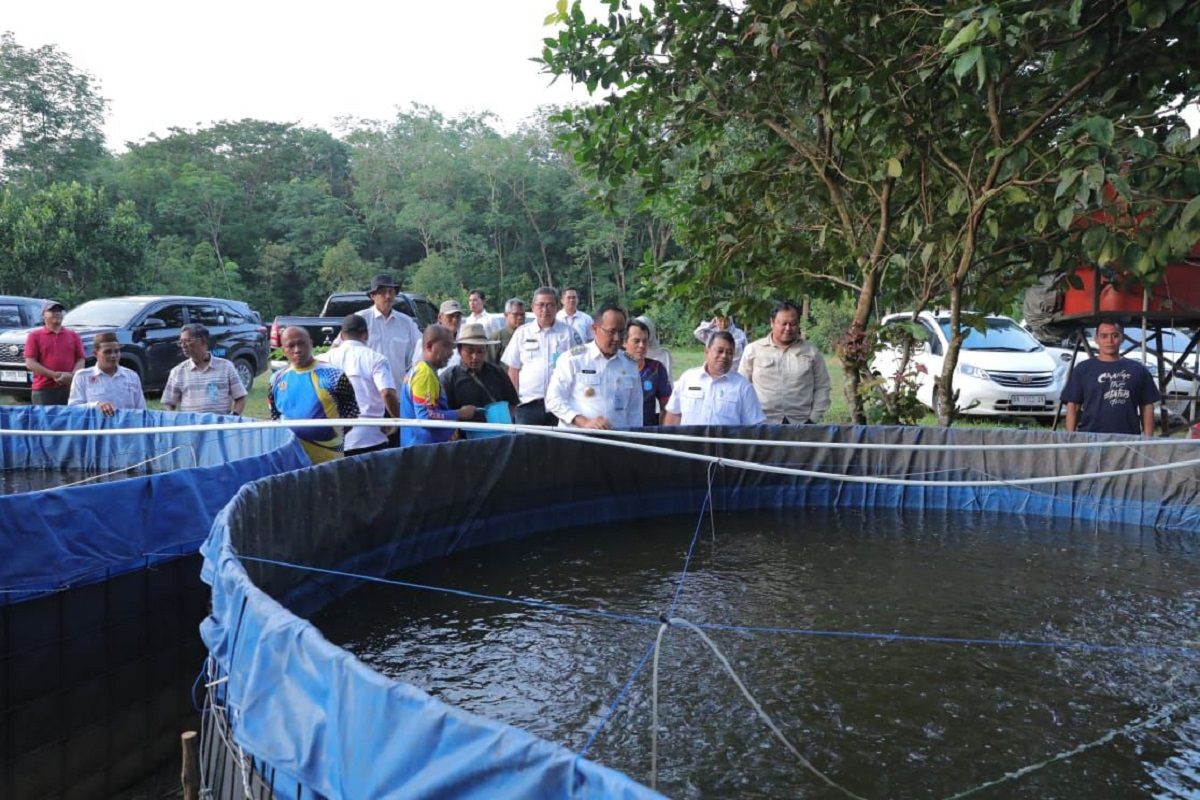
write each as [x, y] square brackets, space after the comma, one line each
[1001, 335]
[103, 313]
[1172, 340]
[341, 306]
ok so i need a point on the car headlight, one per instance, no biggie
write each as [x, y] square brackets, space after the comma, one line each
[974, 372]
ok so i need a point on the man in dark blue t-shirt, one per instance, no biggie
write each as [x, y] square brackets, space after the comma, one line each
[1110, 394]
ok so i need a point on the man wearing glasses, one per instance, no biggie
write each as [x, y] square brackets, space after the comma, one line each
[203, 383]
[533, 352]
[107, 386]
[597, 385]
[53, 354]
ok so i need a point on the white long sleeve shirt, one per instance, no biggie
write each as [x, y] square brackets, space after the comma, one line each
[587, 383]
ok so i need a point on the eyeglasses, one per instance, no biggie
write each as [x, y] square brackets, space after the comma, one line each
[618, 333]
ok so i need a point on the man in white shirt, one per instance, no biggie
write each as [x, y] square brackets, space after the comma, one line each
[374, 386]
[480, 316]
[596, 385]
[579, 321]
[711, 394]
[107, 386]
[532, 354]
[390, 332]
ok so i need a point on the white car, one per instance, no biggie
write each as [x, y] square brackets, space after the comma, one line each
[1174, 343]
[1002, 371]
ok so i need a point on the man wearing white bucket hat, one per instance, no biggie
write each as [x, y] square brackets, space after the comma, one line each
[475, 381]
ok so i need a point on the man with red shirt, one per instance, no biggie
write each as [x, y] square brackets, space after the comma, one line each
[53, 354]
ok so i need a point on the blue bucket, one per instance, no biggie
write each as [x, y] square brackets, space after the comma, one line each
[497, 412]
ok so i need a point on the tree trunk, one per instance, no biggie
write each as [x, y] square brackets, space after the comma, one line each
[944, 391]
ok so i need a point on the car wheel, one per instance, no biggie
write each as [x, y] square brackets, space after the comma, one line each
[245, 371]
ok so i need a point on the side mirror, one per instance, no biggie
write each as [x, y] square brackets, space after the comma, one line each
[152, 324]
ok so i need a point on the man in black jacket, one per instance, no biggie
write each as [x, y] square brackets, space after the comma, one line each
[475, 381]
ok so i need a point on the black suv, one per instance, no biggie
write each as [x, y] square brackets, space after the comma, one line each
[19, 312]
[148, 330]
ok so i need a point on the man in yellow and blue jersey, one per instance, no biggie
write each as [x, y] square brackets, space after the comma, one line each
[308, 389]
[421, 397]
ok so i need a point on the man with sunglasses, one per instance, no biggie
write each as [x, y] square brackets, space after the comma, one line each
[203, 383]
[596, 385]
[107, 386]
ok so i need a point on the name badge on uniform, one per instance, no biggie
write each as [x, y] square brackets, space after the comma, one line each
[695, 389]
[588, 371]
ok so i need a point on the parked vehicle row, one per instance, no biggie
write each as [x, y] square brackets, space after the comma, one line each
[1004, 371]
[148, 329]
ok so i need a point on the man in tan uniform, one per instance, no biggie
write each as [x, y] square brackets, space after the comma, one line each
[787, 374]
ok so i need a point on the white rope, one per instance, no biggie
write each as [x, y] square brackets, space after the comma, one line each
[654, 708]
[753, 703]
[384, 422]
[578, 434]
[130, 468]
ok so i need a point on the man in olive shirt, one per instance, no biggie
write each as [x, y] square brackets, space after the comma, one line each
[787, 374]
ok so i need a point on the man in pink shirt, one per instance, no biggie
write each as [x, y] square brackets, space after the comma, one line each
[53, 354]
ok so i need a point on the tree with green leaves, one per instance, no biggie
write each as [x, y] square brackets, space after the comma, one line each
[69, 242]
[50, 116]
[816, 147]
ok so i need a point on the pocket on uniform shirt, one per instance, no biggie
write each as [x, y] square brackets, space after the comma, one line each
[589, 380]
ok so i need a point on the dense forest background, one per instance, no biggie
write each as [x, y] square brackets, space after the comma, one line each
[280, 215]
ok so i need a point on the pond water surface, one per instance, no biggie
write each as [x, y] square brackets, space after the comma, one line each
[882, 718]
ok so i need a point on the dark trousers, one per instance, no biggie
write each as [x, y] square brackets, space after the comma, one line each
[534, 413]
[49, 397]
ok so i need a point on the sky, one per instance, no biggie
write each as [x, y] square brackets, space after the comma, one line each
[168, 64]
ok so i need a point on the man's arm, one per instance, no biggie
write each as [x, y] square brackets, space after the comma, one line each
[171, 394]
[746, 365]
[1072, 417]
[821, 389]
[670, 419]
[1148, 419]
[514, 375]
[704, 331]
[558, 394]
[237, 391]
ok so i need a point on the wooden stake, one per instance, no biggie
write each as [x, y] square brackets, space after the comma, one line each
[189, 776]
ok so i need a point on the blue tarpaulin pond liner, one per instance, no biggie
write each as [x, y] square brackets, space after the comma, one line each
[317, 720]
[100, 601]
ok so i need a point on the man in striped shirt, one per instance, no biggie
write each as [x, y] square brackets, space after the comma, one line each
[203, 383]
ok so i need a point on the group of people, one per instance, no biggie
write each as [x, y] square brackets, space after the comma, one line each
[201, 382]
[563, 367]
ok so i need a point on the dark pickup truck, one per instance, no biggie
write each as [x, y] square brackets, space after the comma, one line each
[325, 328]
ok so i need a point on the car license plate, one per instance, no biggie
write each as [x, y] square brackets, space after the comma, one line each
[14, 375]
[1028, 400]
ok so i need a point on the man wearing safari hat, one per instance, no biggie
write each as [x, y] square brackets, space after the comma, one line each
[475, 381]
[390, 332]
[53, 354]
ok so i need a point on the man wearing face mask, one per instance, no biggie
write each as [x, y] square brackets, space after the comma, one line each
[711, 394]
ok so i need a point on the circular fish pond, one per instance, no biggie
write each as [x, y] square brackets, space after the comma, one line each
[492, 620]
